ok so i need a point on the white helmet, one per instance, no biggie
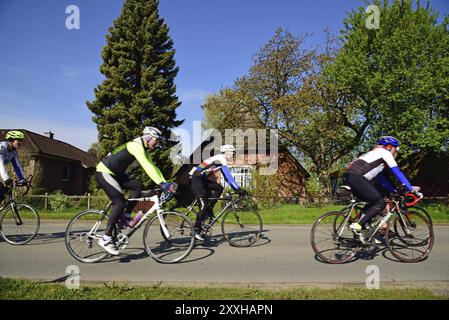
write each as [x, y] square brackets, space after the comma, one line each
[152, 132]
[227, 148]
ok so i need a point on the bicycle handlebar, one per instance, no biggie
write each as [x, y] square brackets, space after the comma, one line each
[27, 184]
[416, 198]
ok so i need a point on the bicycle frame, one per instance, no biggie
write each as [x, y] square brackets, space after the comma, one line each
[395, 208]
[230, 202]
[156, 207]
[348, 209]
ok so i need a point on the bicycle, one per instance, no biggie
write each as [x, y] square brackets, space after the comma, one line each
[168, 236]
[408, 234]
[241, 224]
[410, 200]
[19, 222]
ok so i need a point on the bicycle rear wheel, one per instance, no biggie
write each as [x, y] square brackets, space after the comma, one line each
[332, 240]
[82, 234]
[412, 239]
[19, 223]
[242, 227]
[171, 241]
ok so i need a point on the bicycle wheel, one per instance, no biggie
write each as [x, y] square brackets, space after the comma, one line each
[19, 223]
[411, 241]
[82, 234]
[242, 227]
[332, 240]
[424, 212]
[171, 242]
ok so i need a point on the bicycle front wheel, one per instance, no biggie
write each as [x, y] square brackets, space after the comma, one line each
[83, 233]
[423, 212]
[412, 239]
[332, 240]
[19, 223]
[169, 239]
[242, 227]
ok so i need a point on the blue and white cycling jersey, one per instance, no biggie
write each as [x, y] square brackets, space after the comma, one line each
[7, 156]
[212, 164]
[372, 163]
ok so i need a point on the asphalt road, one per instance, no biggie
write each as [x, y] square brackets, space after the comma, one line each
[282, 259]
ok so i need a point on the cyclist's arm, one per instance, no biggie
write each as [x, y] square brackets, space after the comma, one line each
[384, 183]
[138, 151]
[229, 179]
[220, 162]
[16, 165]
[389, 159]
[3, 173]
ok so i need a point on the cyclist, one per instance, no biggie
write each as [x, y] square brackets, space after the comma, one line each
[8, 153]
[203, 181]
[360, 175]
[111, 177]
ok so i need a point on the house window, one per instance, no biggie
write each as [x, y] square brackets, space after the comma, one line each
[66, 173]
[242, 176]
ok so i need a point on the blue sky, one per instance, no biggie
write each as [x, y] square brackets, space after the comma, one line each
[48, 72]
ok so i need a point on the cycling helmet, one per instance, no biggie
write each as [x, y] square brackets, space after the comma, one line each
[386, 140]
[227, 148]
[15, 135]
[152, 132]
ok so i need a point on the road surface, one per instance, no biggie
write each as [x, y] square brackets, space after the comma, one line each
[282, 259]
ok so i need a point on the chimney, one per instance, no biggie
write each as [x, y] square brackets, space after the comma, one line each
[51, 134]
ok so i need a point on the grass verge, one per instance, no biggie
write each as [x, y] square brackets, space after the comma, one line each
[284, 214]
[14, 289]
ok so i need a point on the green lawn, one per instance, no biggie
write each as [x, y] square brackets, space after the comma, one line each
[13, 289]
[284, 214]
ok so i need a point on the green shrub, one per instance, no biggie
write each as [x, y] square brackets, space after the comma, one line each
[99, 199]
[59, 201]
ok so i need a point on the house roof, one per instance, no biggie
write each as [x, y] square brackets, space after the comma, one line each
[43, 145]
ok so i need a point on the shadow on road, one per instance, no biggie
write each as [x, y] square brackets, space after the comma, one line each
[130, 254]
[217, 240]
[369, 254]
[45, 238]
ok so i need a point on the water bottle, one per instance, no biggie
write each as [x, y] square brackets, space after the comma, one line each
[136, 219]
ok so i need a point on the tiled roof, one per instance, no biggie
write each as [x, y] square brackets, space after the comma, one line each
[52, 147]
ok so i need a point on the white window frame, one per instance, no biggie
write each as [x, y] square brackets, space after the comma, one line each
[242, 178]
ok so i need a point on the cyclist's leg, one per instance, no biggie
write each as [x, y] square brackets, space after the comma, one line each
[3, 190]
[114, 191]
[135, 187]
[366, 191]
[215, 190]
[198, 189]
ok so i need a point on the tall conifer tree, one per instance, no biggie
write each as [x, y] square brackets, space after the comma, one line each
[138, 89]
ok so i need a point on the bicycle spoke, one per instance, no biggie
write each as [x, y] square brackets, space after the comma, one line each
[327, 244]
[177, 246]
[412, 240]
[15, 233]
[242, 227]
[81, 239]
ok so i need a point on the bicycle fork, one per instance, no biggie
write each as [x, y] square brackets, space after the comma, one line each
[163, 224]
[15, 214]
[404, 225]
